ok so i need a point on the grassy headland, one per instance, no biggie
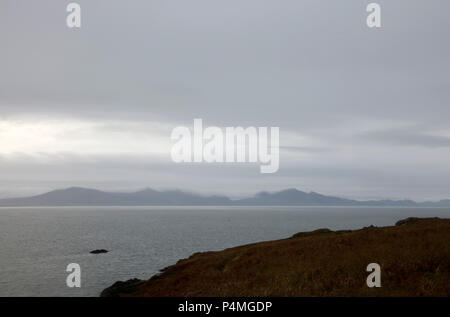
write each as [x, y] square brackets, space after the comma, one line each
[414, 257]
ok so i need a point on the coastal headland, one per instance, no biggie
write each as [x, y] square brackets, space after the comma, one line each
[414, 257]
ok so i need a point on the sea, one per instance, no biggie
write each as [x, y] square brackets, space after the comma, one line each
[38, 243]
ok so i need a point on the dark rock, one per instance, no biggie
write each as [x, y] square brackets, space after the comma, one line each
[121, 287]
[412, 220]
[407, 221]
[98, 251]
[312, 233]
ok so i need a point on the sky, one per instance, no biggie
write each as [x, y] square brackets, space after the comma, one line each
[363, 113]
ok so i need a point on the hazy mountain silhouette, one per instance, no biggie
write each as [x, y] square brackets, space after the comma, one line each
[77, 196]
[293, 197]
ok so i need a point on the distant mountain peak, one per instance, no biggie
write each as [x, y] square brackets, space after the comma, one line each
[75, 189]
[291, 190]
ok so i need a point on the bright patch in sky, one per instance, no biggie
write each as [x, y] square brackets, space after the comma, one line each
[46, 137]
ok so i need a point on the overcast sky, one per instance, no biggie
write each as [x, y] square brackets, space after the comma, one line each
[363, 113]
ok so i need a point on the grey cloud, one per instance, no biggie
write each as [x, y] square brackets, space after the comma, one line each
[307, 149]
[308, 67]
[178, 60]
[402, 137]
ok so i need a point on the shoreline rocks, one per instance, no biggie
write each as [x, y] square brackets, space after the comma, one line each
[122, 287]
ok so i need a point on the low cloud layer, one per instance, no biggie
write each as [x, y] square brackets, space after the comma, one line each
[362, 113]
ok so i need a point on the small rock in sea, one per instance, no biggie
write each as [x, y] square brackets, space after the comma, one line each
[98, 251]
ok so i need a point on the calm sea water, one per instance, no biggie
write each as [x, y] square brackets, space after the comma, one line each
[37, 244]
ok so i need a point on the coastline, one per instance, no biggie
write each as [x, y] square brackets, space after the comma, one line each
[414, 256]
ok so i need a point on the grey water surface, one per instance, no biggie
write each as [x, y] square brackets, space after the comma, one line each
[37, 243]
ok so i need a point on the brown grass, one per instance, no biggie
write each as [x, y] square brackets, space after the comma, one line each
[414, 259]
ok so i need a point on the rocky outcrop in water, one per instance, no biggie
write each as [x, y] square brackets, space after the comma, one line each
[99, 251]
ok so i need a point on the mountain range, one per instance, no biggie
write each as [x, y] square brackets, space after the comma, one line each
[77, 196]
